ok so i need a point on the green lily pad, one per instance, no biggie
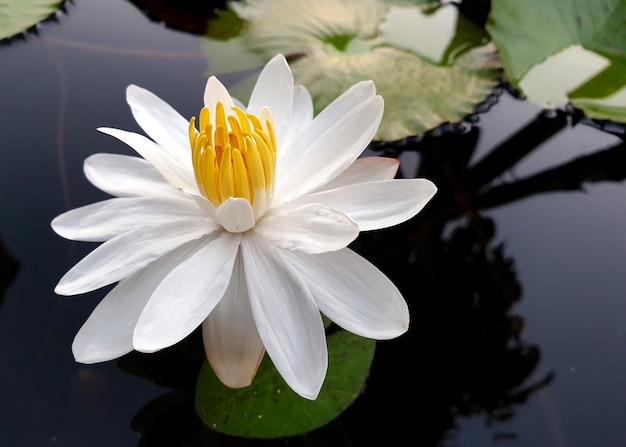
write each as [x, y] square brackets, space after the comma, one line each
[225, 25]
[567, 50]
[268, 408]
[429, 63]
[599, 100]
[17, 16]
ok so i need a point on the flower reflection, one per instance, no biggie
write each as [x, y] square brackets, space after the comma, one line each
[245, 234]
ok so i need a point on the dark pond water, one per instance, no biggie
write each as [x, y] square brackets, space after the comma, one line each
[515, 280]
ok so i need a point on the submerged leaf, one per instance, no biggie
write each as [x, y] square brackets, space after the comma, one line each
[17, 16]
[269, 408]
[571, 49]
[429, 63]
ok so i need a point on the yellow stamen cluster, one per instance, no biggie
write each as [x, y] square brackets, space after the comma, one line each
[234, 156]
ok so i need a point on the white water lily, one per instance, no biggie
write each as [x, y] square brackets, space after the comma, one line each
[241, 226]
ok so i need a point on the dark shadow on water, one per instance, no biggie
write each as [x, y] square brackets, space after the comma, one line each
[9, 266]
[190, 16]
[464, 354]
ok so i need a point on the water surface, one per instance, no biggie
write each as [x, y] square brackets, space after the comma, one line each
[518, 330]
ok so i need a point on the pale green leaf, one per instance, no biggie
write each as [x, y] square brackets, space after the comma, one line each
[17, 16]
[599, 99]
[429, 63]
[567, 50]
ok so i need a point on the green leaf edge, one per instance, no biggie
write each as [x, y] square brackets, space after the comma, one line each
[587, 96]
[38, 14]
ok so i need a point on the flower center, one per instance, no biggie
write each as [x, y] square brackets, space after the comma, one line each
[234, 155]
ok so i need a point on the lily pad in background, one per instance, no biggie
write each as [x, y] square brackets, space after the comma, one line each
[17, 16]
[567, 50]
[430, 64]
[268, 408]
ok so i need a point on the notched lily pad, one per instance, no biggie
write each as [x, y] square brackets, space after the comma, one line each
[581, 59]
[18, 16]
[268, 408]
[429, 63]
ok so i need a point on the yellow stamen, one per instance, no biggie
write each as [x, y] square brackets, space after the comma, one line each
[226, 179]
[241, 177]
[234, 156]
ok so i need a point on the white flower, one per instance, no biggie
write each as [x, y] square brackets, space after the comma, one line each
[245, 233]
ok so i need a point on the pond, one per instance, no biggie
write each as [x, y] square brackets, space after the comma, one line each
[513, 273]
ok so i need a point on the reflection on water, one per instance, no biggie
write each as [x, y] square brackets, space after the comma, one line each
[467, 352]
[190, 16]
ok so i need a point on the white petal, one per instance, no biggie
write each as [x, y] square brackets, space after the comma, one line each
[301, 115]
[215, 92]
[161, 122]
[108, 332]
[353, 293]
[286, 317]
[366, 169]
[187, 294]
[274, 90]
[310, 228]
[235, 215]
[104, 220]
[333, 151]
[178, 174]
[126, 176]
[289, 155]
[201, 202]
[231, 341]
[375, 205]
[128, 253]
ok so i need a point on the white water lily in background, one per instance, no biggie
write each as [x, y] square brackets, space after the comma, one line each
[239, 222]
